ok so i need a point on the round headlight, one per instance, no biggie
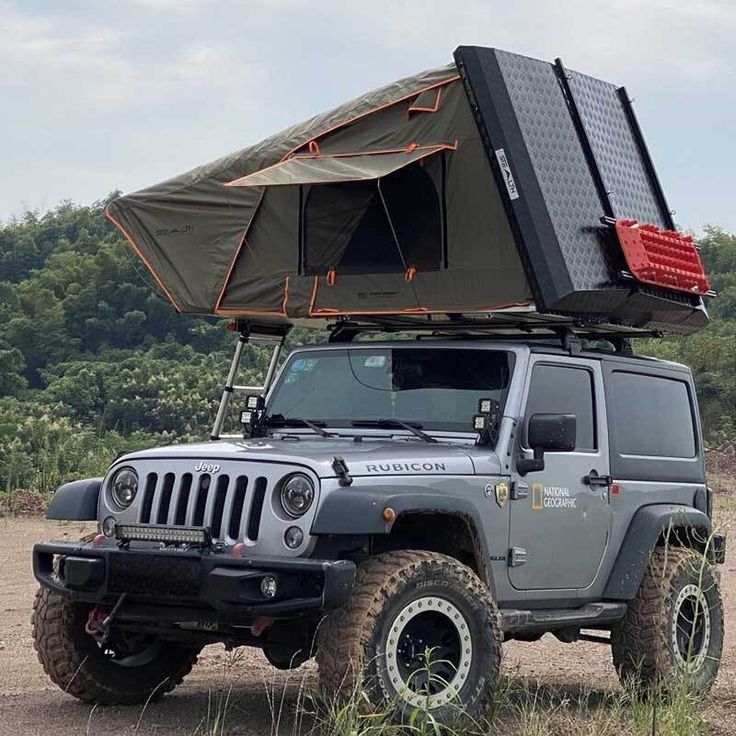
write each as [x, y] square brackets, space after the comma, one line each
[297, 494]
[124, 486]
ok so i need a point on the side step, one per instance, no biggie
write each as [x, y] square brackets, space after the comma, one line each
[552, 619]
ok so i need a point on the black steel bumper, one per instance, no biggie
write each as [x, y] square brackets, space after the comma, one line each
[190, 578]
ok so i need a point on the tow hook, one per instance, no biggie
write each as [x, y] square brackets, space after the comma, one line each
[260, 625]
[98, 621]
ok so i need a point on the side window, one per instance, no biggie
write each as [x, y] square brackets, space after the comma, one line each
[558, 389]
[652, 416]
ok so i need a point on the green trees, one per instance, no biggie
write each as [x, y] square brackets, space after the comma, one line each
[711, 353]
[94, 361]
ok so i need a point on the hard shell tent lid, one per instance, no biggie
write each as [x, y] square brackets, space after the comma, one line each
[498, 182]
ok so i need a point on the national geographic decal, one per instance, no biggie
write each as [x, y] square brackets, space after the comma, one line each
[552, 497]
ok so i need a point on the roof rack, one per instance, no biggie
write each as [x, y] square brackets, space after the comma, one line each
[569, 332]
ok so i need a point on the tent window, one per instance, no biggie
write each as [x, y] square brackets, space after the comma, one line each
[346, 226]
[427, 101]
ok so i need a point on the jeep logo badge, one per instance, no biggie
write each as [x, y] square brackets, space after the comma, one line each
[203, 467]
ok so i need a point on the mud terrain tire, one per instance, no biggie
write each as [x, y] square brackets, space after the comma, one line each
[652, 645]
[74, 661]
[401, 602]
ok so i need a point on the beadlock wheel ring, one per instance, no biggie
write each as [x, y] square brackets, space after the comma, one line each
[456, 624]
[691, 628]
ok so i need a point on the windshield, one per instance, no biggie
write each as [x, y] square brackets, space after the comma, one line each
[432, 388]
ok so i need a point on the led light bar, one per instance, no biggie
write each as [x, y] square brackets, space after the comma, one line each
[195, 535]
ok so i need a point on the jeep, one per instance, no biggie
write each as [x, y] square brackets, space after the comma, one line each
[397, 509]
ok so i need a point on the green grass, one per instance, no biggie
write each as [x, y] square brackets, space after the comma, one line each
[522, 708]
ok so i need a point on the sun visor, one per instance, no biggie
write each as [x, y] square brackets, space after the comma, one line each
[337, 168]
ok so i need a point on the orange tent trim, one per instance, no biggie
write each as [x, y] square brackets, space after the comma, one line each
[140, 255]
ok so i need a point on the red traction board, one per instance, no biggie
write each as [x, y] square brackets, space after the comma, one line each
[663, 258]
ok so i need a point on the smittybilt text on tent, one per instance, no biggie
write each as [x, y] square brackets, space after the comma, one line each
[497, 182]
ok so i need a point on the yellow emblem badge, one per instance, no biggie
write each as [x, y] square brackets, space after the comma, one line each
[502, 494]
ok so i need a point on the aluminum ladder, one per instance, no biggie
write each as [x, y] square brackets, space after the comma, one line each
[273, 340]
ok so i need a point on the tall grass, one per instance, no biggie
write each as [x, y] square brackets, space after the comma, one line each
[522, 708]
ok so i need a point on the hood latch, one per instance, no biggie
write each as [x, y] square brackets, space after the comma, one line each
[341, 471]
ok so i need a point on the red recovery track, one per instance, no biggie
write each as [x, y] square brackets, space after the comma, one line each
[662, 257]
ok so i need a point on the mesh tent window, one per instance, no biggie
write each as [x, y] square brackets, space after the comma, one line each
[386, 225]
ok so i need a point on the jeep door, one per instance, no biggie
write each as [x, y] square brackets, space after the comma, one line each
[560, 519]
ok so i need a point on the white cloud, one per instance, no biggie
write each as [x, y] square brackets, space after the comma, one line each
[659, 40]
[138, 90]
[45, 52]
[177, 6]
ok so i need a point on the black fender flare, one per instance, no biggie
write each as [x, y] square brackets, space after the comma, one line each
[76, 501]
[360, 512]
[649, 524]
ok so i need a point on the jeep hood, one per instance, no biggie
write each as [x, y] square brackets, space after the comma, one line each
[369, 457]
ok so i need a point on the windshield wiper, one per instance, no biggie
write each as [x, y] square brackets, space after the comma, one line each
[414, 428]
[279, 420]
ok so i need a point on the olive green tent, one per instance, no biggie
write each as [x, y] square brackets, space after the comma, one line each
[366, 209]
[445, 192]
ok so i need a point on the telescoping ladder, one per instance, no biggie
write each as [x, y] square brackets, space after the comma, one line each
[273, 340]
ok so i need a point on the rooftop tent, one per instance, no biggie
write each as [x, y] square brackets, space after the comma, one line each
[497, 182]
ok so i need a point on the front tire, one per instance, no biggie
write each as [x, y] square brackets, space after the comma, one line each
[133, 671]
[405, 605]
[673, 629]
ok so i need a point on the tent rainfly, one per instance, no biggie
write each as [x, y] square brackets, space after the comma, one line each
[497, 182]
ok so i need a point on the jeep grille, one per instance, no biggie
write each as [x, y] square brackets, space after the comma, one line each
[229, 505]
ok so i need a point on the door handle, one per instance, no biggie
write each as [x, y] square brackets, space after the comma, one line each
[597, 481]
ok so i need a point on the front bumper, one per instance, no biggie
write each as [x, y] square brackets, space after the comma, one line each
[192, 578]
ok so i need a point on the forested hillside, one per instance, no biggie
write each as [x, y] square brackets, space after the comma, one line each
[94, 361]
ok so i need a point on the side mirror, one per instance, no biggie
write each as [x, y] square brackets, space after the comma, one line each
[548, 433]
[552, 432]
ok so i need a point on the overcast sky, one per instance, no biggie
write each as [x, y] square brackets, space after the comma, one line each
[99, 95]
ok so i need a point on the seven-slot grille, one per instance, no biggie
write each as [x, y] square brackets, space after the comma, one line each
[229, 505]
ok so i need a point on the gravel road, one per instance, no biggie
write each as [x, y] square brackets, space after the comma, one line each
[30, 704]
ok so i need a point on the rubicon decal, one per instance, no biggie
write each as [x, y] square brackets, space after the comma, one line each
[406, 467]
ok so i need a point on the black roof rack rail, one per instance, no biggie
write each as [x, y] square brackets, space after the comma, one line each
[531, 327]
[259, 330]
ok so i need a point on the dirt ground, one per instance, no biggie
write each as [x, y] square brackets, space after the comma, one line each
[30, 704]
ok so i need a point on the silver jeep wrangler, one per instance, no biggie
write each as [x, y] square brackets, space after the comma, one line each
[397, 510]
